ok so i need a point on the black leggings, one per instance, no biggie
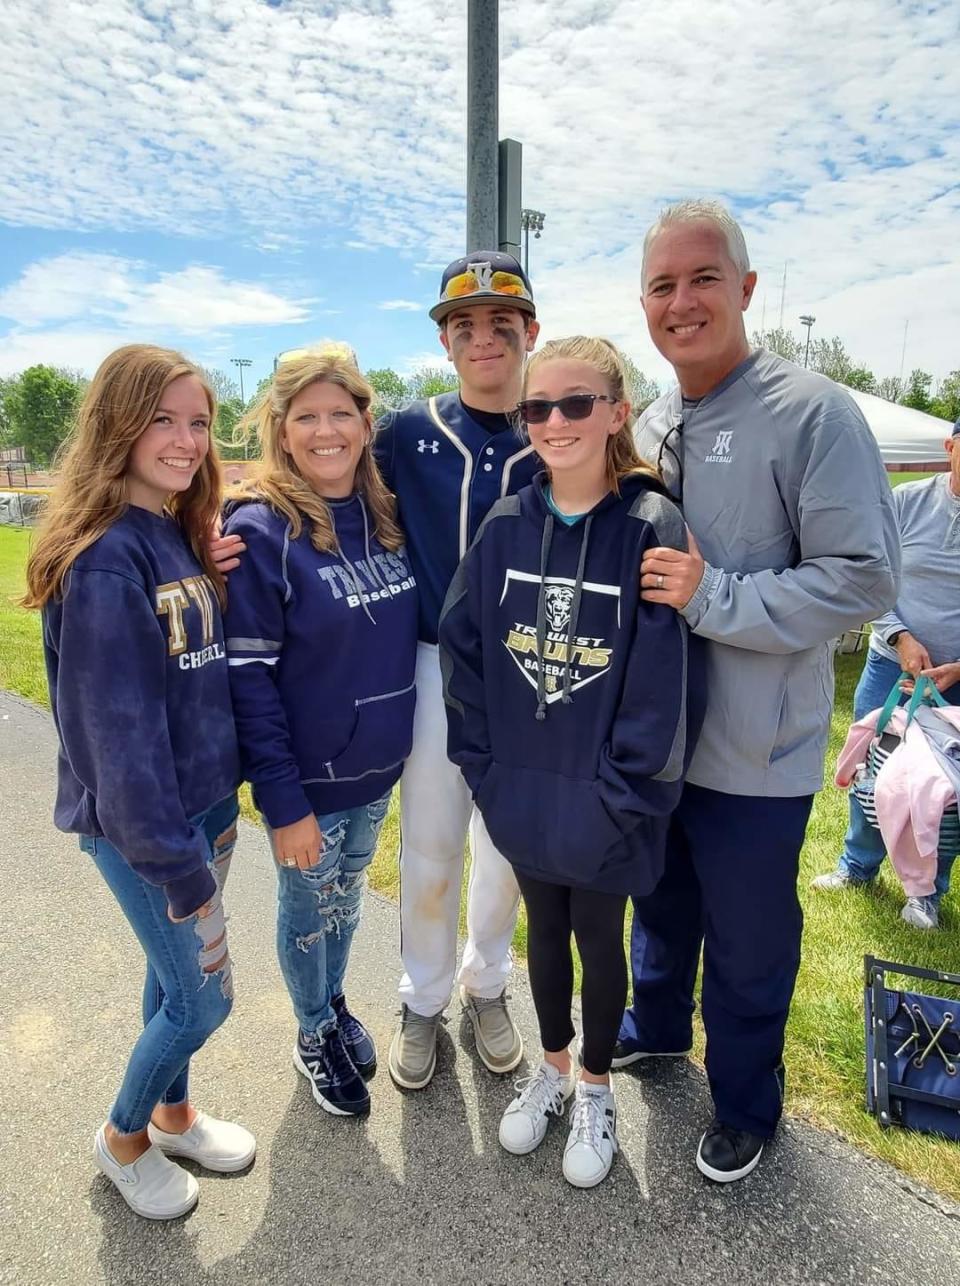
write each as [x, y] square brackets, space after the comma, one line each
[596, 921]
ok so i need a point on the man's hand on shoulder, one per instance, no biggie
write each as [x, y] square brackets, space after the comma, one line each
[671, 576]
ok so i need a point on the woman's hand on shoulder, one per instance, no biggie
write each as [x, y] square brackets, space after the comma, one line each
[299, 843]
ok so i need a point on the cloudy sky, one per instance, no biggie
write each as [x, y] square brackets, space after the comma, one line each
[240, 179]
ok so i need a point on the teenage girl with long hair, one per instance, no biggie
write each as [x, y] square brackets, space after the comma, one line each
[148, 765]
[321, 637]
[568, 711]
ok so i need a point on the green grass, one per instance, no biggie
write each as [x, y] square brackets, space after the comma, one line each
[825, 1034]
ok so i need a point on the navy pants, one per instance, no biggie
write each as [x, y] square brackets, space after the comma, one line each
[730, 883]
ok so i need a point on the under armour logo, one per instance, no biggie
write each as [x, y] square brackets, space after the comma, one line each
[720, 454]
[433, 446]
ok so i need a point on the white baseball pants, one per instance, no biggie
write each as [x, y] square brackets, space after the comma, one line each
[436, 811]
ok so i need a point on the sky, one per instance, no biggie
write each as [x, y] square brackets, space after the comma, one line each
[236, 180]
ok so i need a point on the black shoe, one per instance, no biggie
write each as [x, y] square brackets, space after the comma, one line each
[726, 1154]
[626, 1052]
[335, 1082]
[359, 1042]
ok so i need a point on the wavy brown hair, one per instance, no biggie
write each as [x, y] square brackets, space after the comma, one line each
[622, 456]
[91, 488]
[278, 481]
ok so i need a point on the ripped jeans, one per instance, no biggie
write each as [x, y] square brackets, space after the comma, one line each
[184, 1002]
[319, 910]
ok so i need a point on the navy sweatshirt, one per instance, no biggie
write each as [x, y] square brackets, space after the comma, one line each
[141, 699]
[447, 470]
[572, 705]
[322, 648]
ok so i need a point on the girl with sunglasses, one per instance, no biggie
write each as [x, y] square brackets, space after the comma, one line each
[321, 638]
[148, 764]
[570, 704]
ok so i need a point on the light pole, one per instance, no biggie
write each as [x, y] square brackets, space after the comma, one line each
[807, 320]
[530, 221]
[241, 362]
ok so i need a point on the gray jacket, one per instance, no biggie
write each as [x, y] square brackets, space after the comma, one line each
[784, 489]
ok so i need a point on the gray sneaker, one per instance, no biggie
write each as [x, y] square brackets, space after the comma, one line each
[413, 1051]
[498, 1041]
[922, 913]
[834, 880]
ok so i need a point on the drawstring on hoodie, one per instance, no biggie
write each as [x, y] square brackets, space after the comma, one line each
[370, 562]
[545, 544]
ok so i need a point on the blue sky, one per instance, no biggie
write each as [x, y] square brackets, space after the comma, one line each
[237, 180]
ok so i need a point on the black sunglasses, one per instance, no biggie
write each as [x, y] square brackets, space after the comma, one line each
[578, 406]
[671, 449]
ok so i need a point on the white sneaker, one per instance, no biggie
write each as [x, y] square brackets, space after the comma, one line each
[151, 1186]
[544, 1094]
[592, 1142]
[922, 913]
[216, 1145]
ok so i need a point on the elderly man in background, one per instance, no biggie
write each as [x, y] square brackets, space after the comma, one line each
[792, 541]
[921, 635]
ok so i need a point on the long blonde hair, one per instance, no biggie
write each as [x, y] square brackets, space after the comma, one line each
[91, 489]
[622, 456]
[278, 481]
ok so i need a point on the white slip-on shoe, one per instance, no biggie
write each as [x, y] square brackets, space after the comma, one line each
[151, 1186]
[216, 1145]
[544, 1094]
[592, 1141]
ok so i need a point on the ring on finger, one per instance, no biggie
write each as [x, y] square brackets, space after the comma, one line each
[660, 581]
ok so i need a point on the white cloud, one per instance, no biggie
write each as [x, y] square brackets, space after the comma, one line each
[837, 144]
[195, 300]
[413, 362]
[400, 305]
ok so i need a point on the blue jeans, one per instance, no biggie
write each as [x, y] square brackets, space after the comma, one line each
[182, 1002]
[319, 910]
[863, 850]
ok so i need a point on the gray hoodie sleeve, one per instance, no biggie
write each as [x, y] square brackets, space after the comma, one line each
[844, 522]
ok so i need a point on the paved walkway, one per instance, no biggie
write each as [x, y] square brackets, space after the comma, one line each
[420, 1192]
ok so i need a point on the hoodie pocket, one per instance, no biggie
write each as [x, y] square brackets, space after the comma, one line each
[381, 737]
[554, 826]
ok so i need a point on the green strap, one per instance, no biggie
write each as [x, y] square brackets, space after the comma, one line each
[925, 692]
[891, 703]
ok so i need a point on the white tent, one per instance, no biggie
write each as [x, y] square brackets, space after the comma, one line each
[908, 439]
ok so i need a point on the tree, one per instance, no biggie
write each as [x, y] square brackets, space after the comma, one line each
[917, 392]
[829, 357]
[782, 342]
[641, 389]
[41, 410]
[8, 392]
[429, 381]
[859, 377]
[224, 385]
[947, 402]
[890, 388]
[389, 388]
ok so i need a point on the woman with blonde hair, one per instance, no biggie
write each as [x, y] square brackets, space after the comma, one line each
[148, 765]
[321, 639]
[568, 713]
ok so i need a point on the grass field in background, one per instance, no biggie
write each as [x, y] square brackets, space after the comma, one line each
[825, 1057]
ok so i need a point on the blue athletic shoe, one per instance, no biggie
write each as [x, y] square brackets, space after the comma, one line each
[335, 1082]
[359, 1042]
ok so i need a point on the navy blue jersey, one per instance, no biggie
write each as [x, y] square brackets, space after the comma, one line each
[447, 470]
[572, 703]
[322, 648]
[140, 695]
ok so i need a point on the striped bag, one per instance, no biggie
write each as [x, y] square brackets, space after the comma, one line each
[883, 745]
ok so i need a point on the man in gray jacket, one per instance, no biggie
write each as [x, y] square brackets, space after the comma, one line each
[792, 541]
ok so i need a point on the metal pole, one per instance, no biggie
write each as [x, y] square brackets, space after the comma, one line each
[807, 320]
[482, 124]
